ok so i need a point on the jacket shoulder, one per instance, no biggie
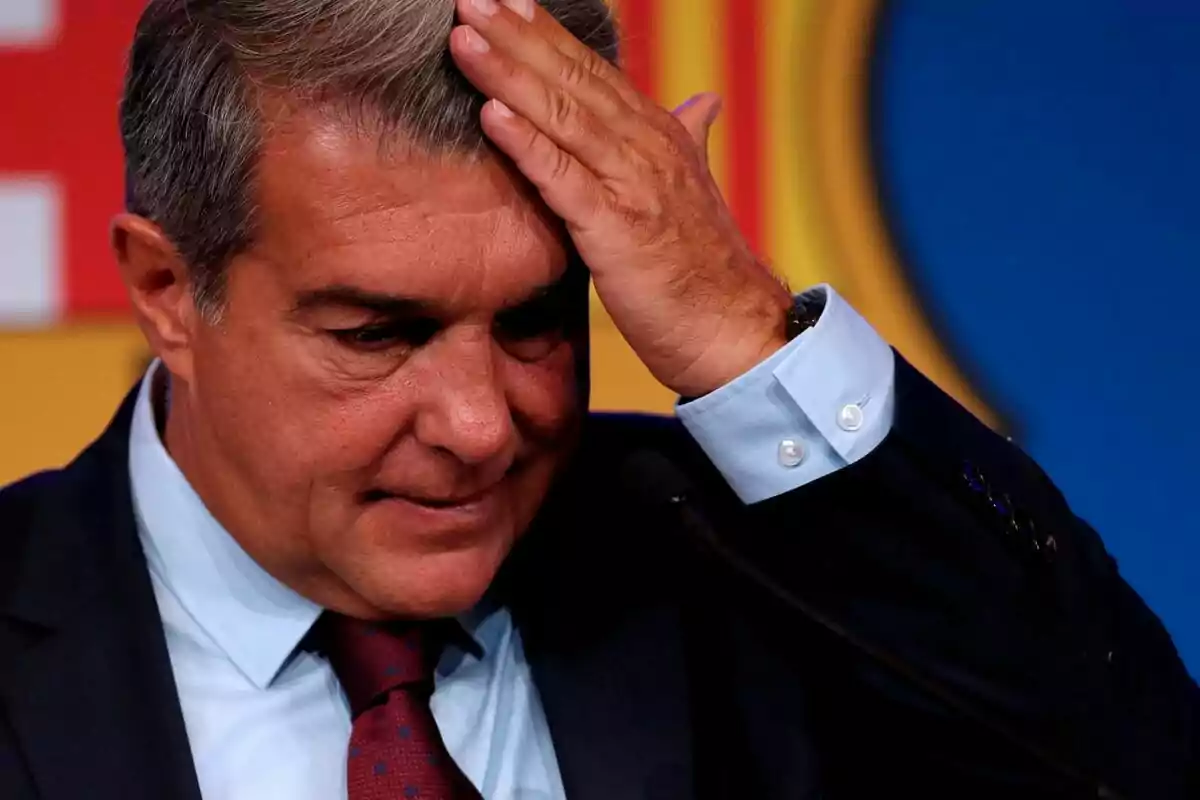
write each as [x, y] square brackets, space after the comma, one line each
[21, 502]
[45, 518]
[22, 506]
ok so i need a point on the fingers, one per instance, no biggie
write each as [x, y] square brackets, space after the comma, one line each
[536, 45]
[557, 112]
[569, 120]
[571, 190]
[698, 115]
[538, 37]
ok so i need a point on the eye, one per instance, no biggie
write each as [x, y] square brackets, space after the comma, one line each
[529, 322]
[532, 330]
[382, 336]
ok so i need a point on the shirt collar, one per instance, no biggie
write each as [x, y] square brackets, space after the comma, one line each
[254, 619]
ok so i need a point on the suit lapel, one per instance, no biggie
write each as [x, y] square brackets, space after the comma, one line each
[618, 711]
[85, 680]
[606, 642]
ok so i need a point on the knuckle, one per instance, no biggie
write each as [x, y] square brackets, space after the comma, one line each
[574, 72]
[570, 122]
[641, 162]
[675, 140]
[562, 110]
[662, 145]
[560, 166]
[640, 210]
[594, 64]
[534, 140]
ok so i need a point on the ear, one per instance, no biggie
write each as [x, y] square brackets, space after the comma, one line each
[159, 290]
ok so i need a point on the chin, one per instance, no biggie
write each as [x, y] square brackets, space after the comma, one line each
[428, 586]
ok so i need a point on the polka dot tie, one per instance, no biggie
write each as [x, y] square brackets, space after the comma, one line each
[386, 670]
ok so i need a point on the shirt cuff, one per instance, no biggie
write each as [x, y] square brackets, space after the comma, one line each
[822, 402]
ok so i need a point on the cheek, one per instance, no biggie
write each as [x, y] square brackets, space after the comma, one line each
[304, 427]
[353, 432]
[544, 396]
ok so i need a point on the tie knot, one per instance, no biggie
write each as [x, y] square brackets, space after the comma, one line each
[371, 659]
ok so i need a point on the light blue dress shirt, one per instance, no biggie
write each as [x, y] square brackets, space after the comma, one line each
[266, 720]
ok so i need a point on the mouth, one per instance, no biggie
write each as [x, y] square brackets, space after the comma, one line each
[463, 502]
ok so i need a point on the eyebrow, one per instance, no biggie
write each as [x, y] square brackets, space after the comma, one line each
[353, 297]
[391, 305]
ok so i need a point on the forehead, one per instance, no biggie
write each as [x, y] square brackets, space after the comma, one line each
[337, 207]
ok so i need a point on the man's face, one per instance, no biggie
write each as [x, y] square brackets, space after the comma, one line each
[391, 388]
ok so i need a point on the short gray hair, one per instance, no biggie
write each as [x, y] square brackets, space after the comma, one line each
[190, 121]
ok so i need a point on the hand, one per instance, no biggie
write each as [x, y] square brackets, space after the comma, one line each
[631, 181]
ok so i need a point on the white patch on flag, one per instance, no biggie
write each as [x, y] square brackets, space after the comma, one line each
[28, 22]
[30, 260]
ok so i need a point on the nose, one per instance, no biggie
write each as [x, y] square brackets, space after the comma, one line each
[465, 408]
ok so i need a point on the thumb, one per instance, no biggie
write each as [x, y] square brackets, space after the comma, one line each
[698, 115]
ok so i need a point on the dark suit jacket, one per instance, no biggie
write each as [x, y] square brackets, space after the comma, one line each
[930, 622]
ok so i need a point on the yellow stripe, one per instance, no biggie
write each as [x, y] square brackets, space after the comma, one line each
[795, 235]
[67, 381]
[691, 61]
[688, 55]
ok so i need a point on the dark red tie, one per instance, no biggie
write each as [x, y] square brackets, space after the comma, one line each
[386, 670]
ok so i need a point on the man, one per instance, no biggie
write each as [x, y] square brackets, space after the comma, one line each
[355, 536]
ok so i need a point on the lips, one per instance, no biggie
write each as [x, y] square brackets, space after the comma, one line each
[441, 522]
[448, 501]
[427, 501]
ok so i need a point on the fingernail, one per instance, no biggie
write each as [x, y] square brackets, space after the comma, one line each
[475, 42]
[691, 101]
[485, 7]
[502, 109]
[522, 7]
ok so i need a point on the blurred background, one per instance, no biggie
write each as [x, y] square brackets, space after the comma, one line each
[1007, 189]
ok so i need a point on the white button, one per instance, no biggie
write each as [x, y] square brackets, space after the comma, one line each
[850, 418]
[791, 453]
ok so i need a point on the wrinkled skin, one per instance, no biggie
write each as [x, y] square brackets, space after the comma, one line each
[393, 385]
[390, 389]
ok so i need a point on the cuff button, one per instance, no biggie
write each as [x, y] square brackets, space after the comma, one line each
[791, 453]
[850, 418]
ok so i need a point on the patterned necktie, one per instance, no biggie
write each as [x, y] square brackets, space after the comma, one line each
[386, 670]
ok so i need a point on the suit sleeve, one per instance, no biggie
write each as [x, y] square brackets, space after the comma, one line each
[974, 628]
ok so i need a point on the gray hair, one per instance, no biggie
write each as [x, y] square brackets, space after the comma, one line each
[190, 120]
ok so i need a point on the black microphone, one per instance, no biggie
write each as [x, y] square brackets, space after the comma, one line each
[658, 482]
